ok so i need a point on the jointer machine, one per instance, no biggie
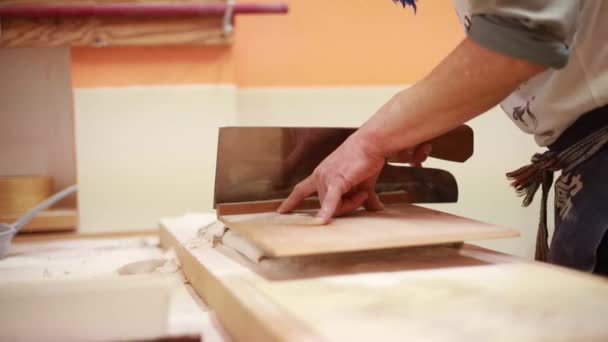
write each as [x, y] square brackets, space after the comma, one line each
[404, 273]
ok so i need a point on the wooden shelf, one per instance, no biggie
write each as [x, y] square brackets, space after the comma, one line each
[54, 220]
[27, 23]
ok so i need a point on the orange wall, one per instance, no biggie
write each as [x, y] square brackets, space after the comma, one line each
[320, 42]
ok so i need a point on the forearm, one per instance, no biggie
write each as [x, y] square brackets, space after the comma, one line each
[466, 83]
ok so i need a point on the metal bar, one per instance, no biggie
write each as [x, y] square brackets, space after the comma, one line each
[137, 9]
[227, 26]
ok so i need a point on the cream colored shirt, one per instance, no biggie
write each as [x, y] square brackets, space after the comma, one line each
[568, 36]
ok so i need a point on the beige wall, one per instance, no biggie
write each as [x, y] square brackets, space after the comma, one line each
[147, 152]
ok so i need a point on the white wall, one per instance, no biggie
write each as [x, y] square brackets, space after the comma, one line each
[147, 152]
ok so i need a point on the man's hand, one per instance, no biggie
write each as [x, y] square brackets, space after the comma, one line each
[346, 179]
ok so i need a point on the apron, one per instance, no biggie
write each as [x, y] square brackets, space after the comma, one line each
[581, 202]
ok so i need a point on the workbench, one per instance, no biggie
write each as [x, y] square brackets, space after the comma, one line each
[437, 293]
[52, 258]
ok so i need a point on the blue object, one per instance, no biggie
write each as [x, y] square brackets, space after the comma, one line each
[408, 2]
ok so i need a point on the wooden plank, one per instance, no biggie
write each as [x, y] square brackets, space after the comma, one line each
[100, 32]
[388, 296]
[399, 225]
[245, 314]
[55, 220]
[133, 308]
[18, 194]
[73, 235]
[22, 2]
[509, 302]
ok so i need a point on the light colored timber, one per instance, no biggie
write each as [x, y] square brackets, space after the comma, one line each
[110, 31]
[74, 235]
[100, 32]
[55, 220]
[18, 194]
[134, 308]
[398, 225]
[222, 283]
[436, 293]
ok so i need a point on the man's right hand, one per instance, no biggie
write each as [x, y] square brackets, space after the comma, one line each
[346, 179]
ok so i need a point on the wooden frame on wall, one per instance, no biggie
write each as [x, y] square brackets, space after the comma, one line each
[100, 23]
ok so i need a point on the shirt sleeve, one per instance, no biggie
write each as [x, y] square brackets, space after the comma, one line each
[534, 30]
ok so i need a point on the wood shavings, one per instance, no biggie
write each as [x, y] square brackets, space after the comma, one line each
[207, 236]
[167, 265]
[240, 244]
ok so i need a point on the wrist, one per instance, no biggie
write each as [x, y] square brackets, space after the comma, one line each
[371, 143]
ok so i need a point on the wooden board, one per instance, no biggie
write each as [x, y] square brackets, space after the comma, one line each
[134, 308]
[511, 302]
[100, 32]
[18, 194]
[399, 225]
[114, 31]
[437, 294]
[55, 220]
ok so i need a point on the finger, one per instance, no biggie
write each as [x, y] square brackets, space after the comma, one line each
[302, 190]
[421, 154]
[373, 202]
[351, 203]
[403, 156]
[330, 203]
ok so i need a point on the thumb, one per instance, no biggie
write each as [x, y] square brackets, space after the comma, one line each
[420, 155]
[373, 202]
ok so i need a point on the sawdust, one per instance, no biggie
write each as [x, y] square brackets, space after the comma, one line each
[168, 264]
[207, 236]
[216, 232]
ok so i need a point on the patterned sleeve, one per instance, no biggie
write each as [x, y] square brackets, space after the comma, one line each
[534, 30]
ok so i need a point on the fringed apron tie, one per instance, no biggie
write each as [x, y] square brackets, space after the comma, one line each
[526, 180]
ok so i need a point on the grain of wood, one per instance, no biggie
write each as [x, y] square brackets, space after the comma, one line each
[245, 314]
[18, 194]
[100, 32]
[386, 296]
[398, 225]
[12, 2]
[55, 220]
